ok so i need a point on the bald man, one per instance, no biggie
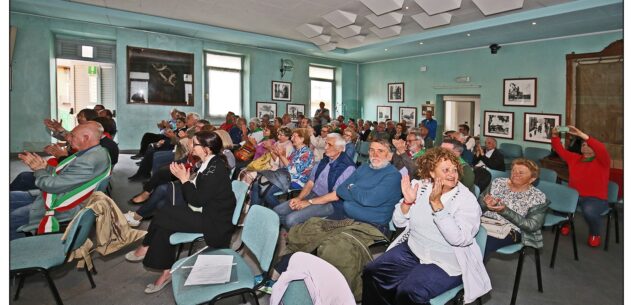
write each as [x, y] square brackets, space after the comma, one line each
[75, 173]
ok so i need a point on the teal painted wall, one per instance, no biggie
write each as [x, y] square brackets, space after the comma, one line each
[544, 60]
[34, 78]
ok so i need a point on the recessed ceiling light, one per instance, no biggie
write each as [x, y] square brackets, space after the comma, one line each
[468, 34]
[533, 22]
[421, 42]
[386, 50]
[406, 7]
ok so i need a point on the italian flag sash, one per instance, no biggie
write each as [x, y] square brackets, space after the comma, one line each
[54, 203]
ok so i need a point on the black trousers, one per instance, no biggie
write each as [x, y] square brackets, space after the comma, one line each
[161, 176]
[149, 138]
[168, 220]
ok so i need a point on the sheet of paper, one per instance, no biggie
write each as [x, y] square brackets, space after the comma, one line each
[210, 269]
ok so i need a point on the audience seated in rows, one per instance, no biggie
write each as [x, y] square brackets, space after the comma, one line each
[163, 126]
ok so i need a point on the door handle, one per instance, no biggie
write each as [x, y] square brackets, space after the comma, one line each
[72, 110]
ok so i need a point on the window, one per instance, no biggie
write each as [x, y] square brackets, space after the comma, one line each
[321, 88]
[224, 84]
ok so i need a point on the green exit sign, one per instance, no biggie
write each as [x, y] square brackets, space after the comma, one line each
[92, 70]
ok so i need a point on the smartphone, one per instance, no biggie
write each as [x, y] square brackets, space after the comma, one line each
[563, 129]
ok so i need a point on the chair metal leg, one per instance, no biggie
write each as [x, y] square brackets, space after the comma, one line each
[555, 248]
[20, 285]
[617, 224]
[606, 235]
[53, 288]
[537, 262]
[517, 278]
[191, 248]
[255, 297]
[92, 282]
[178, 252]
[94, 269]
[573, 236]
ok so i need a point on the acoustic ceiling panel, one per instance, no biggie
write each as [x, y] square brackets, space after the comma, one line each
[386, 32]
[427, 22]
[321, 39]
[433, 7]
[310, 30]
[340, 18]
[380, 7]
[356, 39]
[385, 20]
[348, 31]
[328, 47]
[490, 7]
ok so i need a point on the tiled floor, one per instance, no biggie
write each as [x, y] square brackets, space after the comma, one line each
[597, 278]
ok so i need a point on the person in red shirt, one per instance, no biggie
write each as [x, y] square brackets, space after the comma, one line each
[589, 175]
[229, 123]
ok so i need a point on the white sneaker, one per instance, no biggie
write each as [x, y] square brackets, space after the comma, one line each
[129, 216]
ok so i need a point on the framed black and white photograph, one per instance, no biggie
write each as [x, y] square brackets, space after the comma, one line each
[159, 77]
[263, 108]
[383, 113]
[294, 110]
[519, 92]
[428, 108]
[499, 124]
[538, 126]
[282, 91]
[409, 115]
[395, 92]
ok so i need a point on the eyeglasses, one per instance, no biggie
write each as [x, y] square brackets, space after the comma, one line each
[197, 144]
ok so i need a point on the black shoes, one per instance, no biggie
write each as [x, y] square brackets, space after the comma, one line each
[137, 177]
[136, 157]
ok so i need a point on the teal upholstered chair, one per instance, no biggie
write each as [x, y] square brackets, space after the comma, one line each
[261, 230]
[511, 249]
[297, 294]
[476, 191]
[363, 152]
[548, 175]
[612, 212]
[510, 152]
[41, 253]
[563, 201]
[536, 154]
[447, 296]
[239, 189]
[494, 174]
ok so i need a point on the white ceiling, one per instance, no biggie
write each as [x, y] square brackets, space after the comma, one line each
[281, 18]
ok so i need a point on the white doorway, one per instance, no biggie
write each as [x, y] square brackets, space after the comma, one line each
[462, 109]
[83, 84]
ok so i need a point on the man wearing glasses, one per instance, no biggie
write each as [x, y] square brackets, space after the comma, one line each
[407, 152]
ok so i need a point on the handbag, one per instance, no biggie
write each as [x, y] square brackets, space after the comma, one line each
[496, 228]
[261, 163]
[245, 152]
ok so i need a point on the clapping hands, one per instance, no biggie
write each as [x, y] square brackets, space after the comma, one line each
[32, 160]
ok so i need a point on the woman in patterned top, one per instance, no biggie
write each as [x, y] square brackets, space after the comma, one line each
[517, 203]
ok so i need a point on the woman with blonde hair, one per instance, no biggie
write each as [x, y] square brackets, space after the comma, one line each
[227, 145]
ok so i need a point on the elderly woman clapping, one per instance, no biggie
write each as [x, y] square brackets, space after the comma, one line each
[514, 210]
[442, 219]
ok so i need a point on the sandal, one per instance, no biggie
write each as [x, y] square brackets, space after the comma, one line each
[151, 288]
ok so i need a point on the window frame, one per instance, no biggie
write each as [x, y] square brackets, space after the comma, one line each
[207, 96]
[333, 93]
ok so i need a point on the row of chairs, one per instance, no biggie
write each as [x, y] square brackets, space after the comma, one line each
[512, 151]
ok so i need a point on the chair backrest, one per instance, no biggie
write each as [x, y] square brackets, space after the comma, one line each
[547, 174]
[476, 191]
[562, 198]
[535, 153]
[494, 174]
[510, 150]
[613, 192]
[481, 238]
[261, 230]
[363, 149]
[239, 189]
[79, 229]
[297, 294]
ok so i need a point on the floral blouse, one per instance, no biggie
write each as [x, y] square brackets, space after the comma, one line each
[300, 165]
[519, 202]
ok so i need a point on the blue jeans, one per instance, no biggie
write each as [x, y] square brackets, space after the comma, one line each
[162, 158]
[160, 197]
[397, 277]
[290, 217]
[592, 208]
[23, 182]
[19, 210]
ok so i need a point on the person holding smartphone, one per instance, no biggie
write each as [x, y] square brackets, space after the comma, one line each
[514, 202]
[589, 175]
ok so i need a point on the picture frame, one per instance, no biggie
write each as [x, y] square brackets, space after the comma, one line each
[499, 124]
[537, 126]
[262, 108]
[383, 113]
[294, 110]
[520, 92]
[426, 108]
[408, 115]
[281, 91]
[159, 77]
[395, 92]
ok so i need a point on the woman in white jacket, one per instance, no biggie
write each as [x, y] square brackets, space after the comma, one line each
[442, 218]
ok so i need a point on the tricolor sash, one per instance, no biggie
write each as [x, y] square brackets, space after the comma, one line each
[54, 202]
